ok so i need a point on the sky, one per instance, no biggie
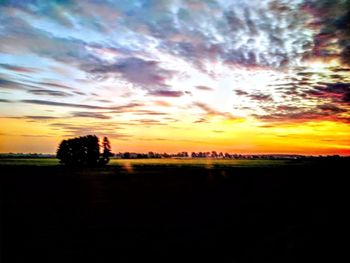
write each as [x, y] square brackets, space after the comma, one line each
[250, 77]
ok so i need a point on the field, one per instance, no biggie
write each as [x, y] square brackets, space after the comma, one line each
[154, 162]
[171, 210]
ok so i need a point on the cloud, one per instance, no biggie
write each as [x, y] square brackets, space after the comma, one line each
[18, 36]
[5, 101]
[296, 116]
[301, 113]
[263, 33]
[101, 129]
[331, 108]
[36, 136]
[241, 92]
[144, 73]
[201, 120]
[162, 103]
[204, 88]
[149, 112]
[166, 93]
[53, 84]
[12, 85]
[84, 106]
[337, 92]
[32, 117]
[259, 33]
[255, 96]
[53, 93]
[79, 93]
[150, 45]
[104, 101]
[40, 117]
[209, 111]
[18, 69]
[149, 122]
[332, 19]
[260, 97]
[94, 115]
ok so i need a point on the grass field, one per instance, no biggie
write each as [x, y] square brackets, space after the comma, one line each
[171, 210]
[209, 163]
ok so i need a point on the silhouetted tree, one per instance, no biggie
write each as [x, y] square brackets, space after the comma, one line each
[106, 145]
[81, 151]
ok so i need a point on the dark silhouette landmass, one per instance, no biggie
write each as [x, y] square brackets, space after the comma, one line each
[167, 213]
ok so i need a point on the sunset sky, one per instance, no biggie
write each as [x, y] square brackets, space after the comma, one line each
[257, 76]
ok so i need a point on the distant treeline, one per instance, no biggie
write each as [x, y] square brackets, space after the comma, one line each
[27, 155]
[215, 155]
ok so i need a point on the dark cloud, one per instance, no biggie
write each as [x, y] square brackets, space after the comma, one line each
[235, 36]
[201, 120]
[5, 101]
[46, 92]
[63, 104]
[33, 117]
[204, 88]
[101, 129]
[331, 108]
[166, 93]
[36, 136]
[104, 101]
[338, 92]
[241, 92]
[84, 106]
[209, 111]
[341, 70]
[254, 95]
[20, 37]
[83, 114]
[144, 73]
[260, 97]
[295, 116]
[284, 113]
[40, 117]
[287, 108]
[149, 122]
[332, 19]
[149, 112]
[8, 84]
[79, 93]
[18, 69]
[55, 85]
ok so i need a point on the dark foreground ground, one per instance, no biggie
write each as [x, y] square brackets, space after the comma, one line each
[285, 213]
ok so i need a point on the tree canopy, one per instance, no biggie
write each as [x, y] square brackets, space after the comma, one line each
[106, 153]
[84, 151]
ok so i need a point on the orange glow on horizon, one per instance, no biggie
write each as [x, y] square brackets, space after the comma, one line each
[233, 136]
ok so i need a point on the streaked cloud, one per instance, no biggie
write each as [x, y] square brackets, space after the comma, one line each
[85, 106]
[17, 68]
[53, 93]
[83, 114]
[166, 93]
[210, 112]
[204, 88]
